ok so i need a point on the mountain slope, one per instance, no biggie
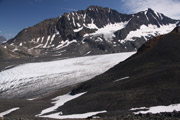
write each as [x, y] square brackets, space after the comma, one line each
[96, 30]
[2, 39]
[148, 78]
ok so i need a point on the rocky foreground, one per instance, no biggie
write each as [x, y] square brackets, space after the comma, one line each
[161, 116]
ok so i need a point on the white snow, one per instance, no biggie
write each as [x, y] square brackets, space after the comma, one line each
[20, 44]
[78, 25]
[52, 38]
[158, 109]
[8, 111]
[34, 77]
[60, 101]
[38, 46]
[146, 15]
[77, 30]
[47, 41]
[91, 25]
[15, 49]
[140, 108]
[42, 39]
[38, 39]
[88, 53]
[155, 18]
[65, 43]
[122, 79]
[149, 31]
[84, 17]
[73, 21]
[74, 116]
[108, 31]
[31, 99]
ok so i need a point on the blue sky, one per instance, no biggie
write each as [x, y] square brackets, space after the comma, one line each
[18, 14]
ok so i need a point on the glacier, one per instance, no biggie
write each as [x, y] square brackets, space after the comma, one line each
[33, 79]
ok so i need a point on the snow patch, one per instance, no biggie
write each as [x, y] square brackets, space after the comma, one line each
[77, 30]
[38, 39]
[48, 38]
[42, 39]
[60, 101]
[108, 31]
[149, 31]
[88, 53]
[122, 79]
[65, 44]
[52, 38]
[145, 13]
[157, 109]
[15, 49]
[78, 25]
[91, 25]
[8, 111]
[75, 116]
[20, 44]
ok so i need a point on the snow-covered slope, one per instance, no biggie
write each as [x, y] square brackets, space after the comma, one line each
[29, 80]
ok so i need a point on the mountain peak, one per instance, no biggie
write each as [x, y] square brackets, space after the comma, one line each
[94, 7]
[149, 9]
[91, 8]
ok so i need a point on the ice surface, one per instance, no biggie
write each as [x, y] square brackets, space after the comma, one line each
[158, 109]
[8, 111]
[33, 79]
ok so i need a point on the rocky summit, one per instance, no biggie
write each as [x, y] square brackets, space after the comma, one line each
[96, 30]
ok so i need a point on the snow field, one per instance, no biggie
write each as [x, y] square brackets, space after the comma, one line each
[32, 79]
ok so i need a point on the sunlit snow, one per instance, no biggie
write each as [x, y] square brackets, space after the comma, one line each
[8, 111]
[74, 116]
[150, 30]
[121, 79]
[33, 79]
[157, 109]
[108, 31]
[60, 101]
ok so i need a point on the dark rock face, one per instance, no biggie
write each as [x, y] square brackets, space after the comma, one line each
[152, 79]
[103, 30]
